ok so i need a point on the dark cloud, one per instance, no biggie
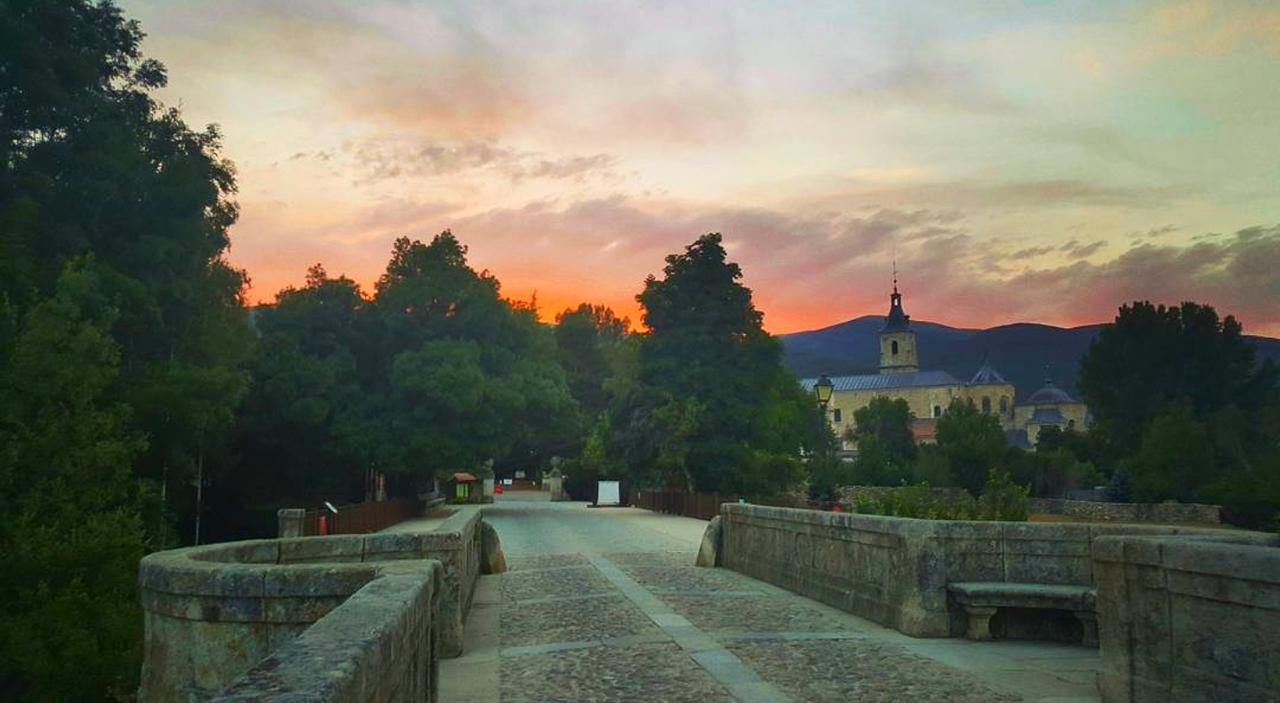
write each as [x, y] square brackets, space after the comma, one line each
[1154, 232]
[1030, 253]
[381, 159]
[1076, 250]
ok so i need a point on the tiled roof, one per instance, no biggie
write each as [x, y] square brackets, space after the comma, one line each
[923, 428]
[986, 375]
[887, 381]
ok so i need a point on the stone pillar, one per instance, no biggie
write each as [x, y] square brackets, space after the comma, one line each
[979, 622]
[290, 521]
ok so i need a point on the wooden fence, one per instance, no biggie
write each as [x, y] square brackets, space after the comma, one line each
[703, 506]
[360, 518]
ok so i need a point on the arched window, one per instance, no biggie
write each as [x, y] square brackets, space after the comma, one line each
[937, 411]
[986, 405]
[1071, 424]
[1004, 404]
[893, 347]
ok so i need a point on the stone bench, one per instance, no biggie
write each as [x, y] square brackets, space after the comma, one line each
[981, 599]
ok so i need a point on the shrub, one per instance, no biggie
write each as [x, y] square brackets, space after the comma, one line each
[1001, 499]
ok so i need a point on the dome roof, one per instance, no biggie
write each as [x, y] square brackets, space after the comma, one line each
[1049, 394]
[1047, 416]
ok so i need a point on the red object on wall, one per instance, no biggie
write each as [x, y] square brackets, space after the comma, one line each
[323, 527]
[837, 508]
[497, 488]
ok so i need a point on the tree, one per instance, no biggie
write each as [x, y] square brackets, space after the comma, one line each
[1184, 411]
[589, 339]
[1152, 355]
[92, 164]
[1175, 459]
[113, 230]
[886, 444]
[72, 528]
[972, 442]
[706, 348]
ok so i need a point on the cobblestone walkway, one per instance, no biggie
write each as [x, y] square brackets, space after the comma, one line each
[635, 624]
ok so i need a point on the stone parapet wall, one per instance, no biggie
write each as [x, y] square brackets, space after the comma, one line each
[895, 571]
[378, 645]
[213, 612]
[1189, 619]
[1162, 513]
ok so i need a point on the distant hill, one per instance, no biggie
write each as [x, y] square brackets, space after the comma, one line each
[1019, 351]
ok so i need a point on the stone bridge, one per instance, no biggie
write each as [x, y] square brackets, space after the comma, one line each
[606, 605]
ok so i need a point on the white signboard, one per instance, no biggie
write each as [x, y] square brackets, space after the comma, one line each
[607, 493]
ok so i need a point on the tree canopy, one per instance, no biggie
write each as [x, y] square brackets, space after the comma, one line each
[123, 341]
[714, 378]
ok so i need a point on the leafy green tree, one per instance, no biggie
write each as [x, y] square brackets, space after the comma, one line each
[972, 443]
[72, 517]
[1152, 355]
[1049, 472]
[589, 339]
[1184, 411]
[706, 348]
[92, 164]
[113, 230]
[886, 444]
[1172, 460]
[499, 372]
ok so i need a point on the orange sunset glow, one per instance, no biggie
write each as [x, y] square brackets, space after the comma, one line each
[1021, 161]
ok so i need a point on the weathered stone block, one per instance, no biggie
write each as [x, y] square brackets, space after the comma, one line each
[314, 550]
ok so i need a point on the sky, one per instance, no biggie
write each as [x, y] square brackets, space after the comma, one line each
[1022, 161]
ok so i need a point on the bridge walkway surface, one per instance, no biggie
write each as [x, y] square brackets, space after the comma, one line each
[604, 604]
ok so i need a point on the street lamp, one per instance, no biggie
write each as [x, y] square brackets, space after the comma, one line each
[823, 389]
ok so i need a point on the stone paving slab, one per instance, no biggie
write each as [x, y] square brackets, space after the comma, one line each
[860, 670]
[715, 614]
[610, 621]
[550, 583]
[571, 620]
[651, 672]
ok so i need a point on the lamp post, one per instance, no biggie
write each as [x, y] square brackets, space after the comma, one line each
[823, 390]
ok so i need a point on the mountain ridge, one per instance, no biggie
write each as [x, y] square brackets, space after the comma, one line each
[1025, 353]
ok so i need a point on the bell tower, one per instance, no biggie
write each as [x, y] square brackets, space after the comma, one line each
[897, 341]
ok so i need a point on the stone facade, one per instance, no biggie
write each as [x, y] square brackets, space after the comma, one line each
[213, 612]
[930, 393]
[1189, 619]
[1162, 513]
